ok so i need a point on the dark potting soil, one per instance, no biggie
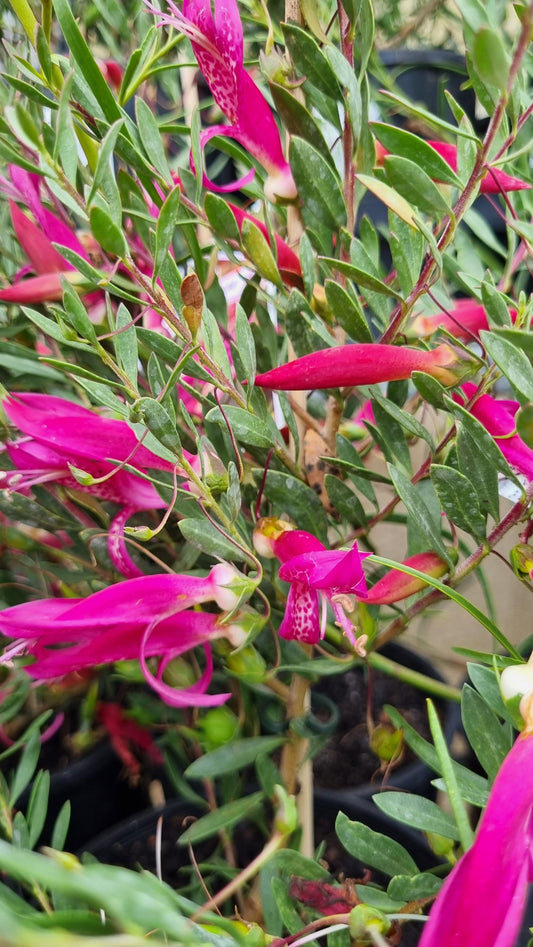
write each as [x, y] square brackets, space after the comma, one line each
[346, 759]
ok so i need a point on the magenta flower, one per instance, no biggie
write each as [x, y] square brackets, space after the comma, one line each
[465, 320]
[137, 619]
[217, 43]
[366, 363]
[498, 418]
[36, 237]
[314, 573]
[482, 902]
[58, 435]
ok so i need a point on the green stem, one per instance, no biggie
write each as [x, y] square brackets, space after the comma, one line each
[421, 681]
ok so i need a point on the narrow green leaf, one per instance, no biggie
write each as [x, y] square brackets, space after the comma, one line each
[458, 807]
[417, 812]
[415, 186]
[221, 819]
[489, 739]
[214, 345]
[77, 314]
[511, 360]
[361, 277]
[221, 217]
[104, 173]
[159, 423]
[258, 251]
[490, 58]
[345, 75]
[309, 60]
[487, 684]
[107, 233]
[390, 197]
[344, 501]
[203, 535]
[374, 849]
[151, 139]
[26, 767]
[298, 120]
[232, 757]
[246, 426]
[322, 201]
[459, 499]
[38, 806]
[347, 311]
[165, 228]
[125, 343]
[245, 344]
[404, 419]
[404, 143]
[104, 100]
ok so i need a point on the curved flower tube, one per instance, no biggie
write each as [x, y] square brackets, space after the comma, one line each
[58, 435]
[366, 363]
[137, 619]
[217, 43]
[482, 901]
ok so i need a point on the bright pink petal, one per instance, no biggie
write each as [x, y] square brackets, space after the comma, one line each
[498, 419]
[294, 542]
[301, 621]
[38, 248]
[330, 571]
[495, 180]
[483, 899]
[36, 289]
[71, 428]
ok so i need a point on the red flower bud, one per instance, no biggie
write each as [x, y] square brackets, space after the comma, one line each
[367, 363]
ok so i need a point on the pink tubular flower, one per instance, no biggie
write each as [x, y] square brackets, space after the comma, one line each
[313, 572]
[395, 585]
[495, 181]
[136, 619]
[36, 236]
[466, 319]
[217, 43]
[58, 435]
[482, 902]
[366, 363]
[498, 418]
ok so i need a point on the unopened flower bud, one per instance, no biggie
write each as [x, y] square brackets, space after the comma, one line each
[396, 585]
[248, 665]
[386, 742]
[219, 726]
[522, 561]
[81, 476]
[363, 917]
[266, 531]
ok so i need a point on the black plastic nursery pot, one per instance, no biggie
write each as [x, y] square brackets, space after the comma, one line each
[345, 766]
[99, 792]
[149, 841]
